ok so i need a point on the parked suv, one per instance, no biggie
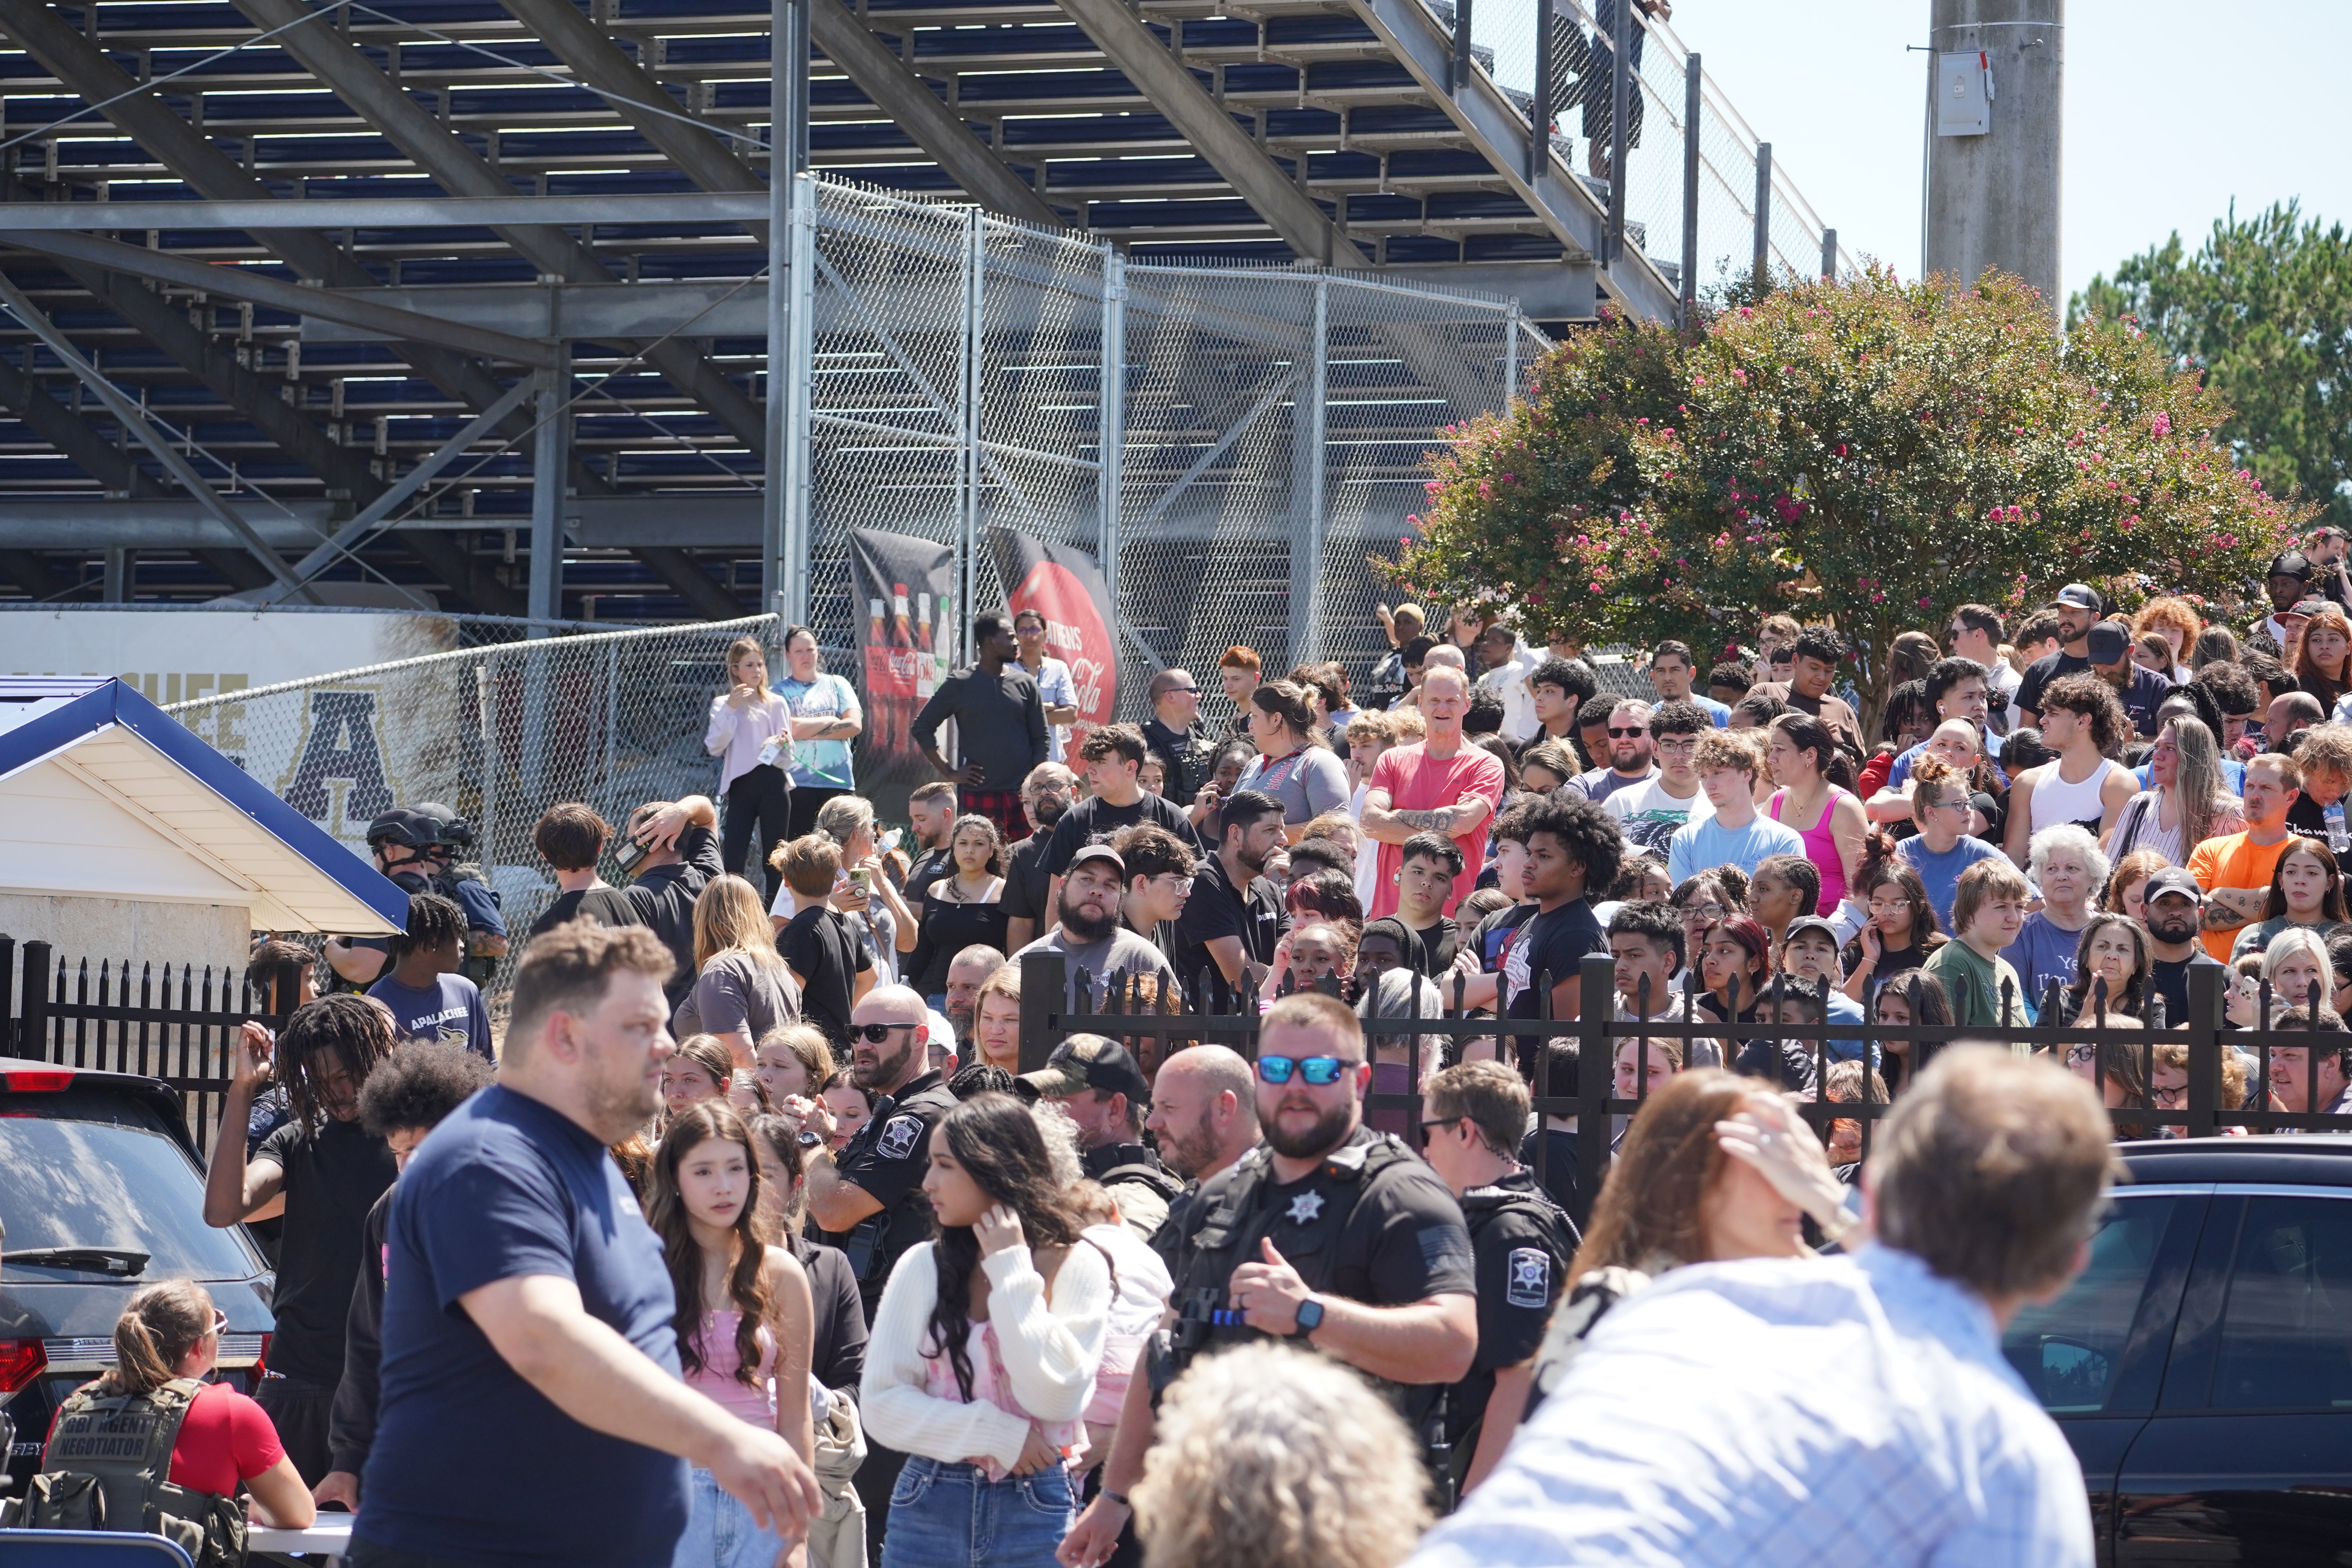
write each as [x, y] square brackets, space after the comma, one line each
[101, 1192]
[2202, 1364]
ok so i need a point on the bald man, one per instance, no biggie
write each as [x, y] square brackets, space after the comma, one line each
[1176, 734]
[1205, 1113]
[1437, 784]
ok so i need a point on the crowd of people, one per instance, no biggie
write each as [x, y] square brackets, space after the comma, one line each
[760, 1222]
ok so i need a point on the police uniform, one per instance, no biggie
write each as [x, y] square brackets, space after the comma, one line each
[1142, 1186]
[1522, 1240]
[886, 1160]
[1371, 1223]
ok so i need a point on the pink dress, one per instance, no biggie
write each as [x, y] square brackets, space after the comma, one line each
[716, 1344]
[1820, 848]
[990, 1383]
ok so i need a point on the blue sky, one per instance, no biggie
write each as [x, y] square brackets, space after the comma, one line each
[2172, 109]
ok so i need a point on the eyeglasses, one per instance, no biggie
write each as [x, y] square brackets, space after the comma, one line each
[875, 1033]
[1701, 911]
[1636, 730]
[2081, 1054]
[1317, 1070]
[2170, 1097]
[1674, 748]
[1182, 691]
[1953, 805]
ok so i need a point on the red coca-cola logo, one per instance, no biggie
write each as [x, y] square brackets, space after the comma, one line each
[1076, 635]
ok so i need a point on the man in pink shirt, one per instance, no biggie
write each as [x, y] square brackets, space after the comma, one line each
[1438, 785]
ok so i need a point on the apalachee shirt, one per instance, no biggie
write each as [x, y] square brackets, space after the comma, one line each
[470, 1462]
[451, 1010]
[333, 1177]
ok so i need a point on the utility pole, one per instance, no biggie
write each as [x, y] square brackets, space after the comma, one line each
[1994, 140]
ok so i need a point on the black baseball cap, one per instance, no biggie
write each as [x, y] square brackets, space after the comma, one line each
[2109, 643]
[1090, 1061]
[2080, 596]
[2171, 879]
[1810, 922]
[2290, 564]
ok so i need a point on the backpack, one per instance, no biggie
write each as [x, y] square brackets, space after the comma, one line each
[107, 1467]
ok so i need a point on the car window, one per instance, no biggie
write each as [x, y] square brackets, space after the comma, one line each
[92, 1170]
[2069, 1349]
[2286, 1329]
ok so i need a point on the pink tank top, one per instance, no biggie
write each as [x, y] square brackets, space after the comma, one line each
[990, 1383]
[716, 1346]
[1820, 848]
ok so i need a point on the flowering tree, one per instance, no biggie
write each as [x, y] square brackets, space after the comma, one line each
[1866, 453]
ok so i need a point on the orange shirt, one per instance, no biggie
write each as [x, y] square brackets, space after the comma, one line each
[2233, 862]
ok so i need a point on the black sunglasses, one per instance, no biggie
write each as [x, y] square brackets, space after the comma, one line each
[1441, 1121]
[1636, 730]
[875, 1033]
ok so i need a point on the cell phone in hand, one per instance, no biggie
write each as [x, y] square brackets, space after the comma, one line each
[629, 854]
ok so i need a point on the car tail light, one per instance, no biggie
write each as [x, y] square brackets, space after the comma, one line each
[21, 1361]
[37, 1080]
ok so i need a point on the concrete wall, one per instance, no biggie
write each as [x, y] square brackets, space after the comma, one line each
[141, 932]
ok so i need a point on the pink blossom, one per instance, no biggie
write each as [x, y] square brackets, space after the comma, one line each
[2161, 425]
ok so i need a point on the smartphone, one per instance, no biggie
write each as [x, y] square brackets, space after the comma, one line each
[862, 880]
[627, 856]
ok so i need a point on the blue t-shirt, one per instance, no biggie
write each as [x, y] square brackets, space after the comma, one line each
[470, 1462]
[821, 764]
[1719, 711]
[449, 1009]
[1941, 873]
[1702, 844]
[2042, 950]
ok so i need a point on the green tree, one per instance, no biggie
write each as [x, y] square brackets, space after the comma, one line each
[1867, 453]
[2264, 310]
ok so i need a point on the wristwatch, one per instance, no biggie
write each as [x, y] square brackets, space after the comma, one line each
[1311, 1318]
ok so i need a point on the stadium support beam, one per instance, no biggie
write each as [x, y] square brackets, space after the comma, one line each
[1282, 202]
[704, 594]
[74, 437]
[938, 130]
[311, 38]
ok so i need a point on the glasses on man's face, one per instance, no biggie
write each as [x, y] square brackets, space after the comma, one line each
[1625, 733]
[1438, 1121]
[1317, 1070]
[1670, 747]
[875, 1033]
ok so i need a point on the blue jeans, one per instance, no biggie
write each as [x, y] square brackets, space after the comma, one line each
[951, 1516]
[721, 1531]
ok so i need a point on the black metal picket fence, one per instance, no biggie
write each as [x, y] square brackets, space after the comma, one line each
[179, 1024]
[1571, 1066]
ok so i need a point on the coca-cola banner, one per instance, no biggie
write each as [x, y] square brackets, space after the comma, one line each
[907, 619]
[1064, 586]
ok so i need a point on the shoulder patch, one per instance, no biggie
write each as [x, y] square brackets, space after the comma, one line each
[899, 1136]
[1529, 1283]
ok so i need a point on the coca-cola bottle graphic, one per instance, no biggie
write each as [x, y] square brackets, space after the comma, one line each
[881, 712]
[926, 677]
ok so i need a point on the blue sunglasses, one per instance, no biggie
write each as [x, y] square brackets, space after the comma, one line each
[1316, 1071]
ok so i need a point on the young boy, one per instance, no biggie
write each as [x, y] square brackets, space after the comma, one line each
[1810, 952]
[1988, 908]
[428, 998]
[820, 947]
[1160, 867]
[1787, 1062]
[1647, 942]
[1425, 879]
[1735, 834]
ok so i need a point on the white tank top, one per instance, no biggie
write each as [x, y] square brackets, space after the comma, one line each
[2056, 801]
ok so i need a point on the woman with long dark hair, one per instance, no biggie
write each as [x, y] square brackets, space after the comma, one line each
[744, 1315]
[1828, 819]
[2322, 665]
[1899, 931]
[2306, 894]
[963, 909]
[1913, 999]
[984, 1348]
[2112, 965]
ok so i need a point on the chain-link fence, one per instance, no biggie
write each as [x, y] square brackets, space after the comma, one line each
[1266, 427]
[497, 732]
[1504, 33]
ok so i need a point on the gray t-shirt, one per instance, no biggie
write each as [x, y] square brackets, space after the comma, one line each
[736, 991]
[1108, 961]
[1310, 782]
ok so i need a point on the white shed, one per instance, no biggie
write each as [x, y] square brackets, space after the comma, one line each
[123, 834]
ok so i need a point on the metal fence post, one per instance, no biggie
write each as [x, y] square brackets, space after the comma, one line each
[1596, 985]
[1307, 439]
[1829, 254]
[486, 705]
[1110, 428]
[1694, 105]
[774, 568]
[1511, 356]
[1539, 110]
[33, 1026]
[1045, 985]
[2204, 1050]
[551, 462]
[800, 403]
[1763, 217]
[975, 258]
[1621, 106]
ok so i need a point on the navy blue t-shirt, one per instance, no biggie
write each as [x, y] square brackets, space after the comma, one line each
[470, 1462]
[450, 1009]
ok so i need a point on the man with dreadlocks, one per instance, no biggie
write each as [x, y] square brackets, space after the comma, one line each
[428, 998]
[330, 1170]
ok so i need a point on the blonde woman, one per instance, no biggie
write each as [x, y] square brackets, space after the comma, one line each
[1281, 1458]
[741, 988]
[865, 889]
[751, 733]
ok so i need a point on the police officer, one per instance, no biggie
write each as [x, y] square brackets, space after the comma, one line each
[1522, 1240]
[415, 847]
[1107, 1097]
[1329, 1233]
[868, 1199]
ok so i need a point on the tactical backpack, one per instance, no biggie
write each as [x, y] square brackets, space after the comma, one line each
[108, 1467]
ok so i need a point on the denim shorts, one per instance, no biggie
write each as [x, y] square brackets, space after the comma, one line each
[720, 1533]
[952, 1516]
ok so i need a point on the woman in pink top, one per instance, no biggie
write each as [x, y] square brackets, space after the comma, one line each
[745, 1320]
[751, 733]
[983, 1355]
[1828, 819]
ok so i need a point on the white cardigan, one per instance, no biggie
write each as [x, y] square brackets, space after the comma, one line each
[1050, 1349]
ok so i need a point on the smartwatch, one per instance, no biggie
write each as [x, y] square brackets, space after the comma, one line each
[1311, 1318]
[810, 1140]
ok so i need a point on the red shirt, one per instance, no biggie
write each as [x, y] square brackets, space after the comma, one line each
[1415, 781]
[225, 1438]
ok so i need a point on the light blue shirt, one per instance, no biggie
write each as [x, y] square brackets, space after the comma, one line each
[1706, 844]
[821, 764]
[1783, 1413]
